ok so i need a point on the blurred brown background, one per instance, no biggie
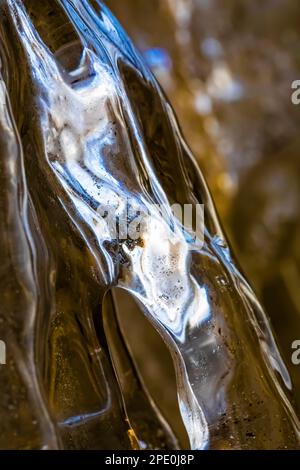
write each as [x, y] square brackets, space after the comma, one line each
[227, 67]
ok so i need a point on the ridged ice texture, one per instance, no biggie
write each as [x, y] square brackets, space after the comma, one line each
[83, 125]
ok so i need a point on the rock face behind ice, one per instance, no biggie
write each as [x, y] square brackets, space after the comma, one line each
[85, 132]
